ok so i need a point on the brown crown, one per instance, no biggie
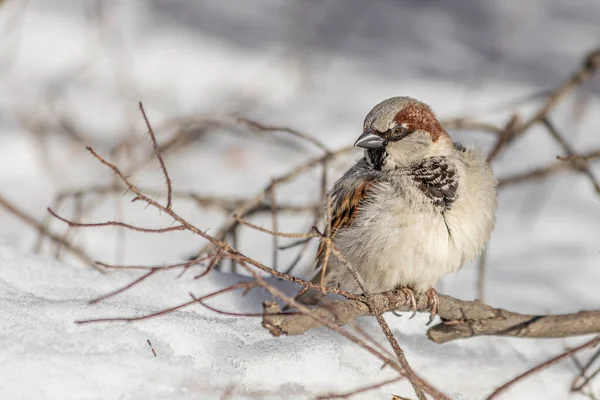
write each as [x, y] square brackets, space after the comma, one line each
[418, 116]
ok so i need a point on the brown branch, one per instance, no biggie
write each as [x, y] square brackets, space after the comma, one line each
[124, 288]
[515, 127]
[543, 172]
[463, 123]
[77, 215]
[416, 384]
[225, 204]
[236, 286]
[576, 161]
[258, 127]
[481, 273]
[274, 233]
[331, 248]
[326, 239]
[186, 264]
[243, 210]
[116, 223]
[578, 387]
[586, 70]
[461, 319]
[541, 366]
[358, 391]
[188, 128]
[511, 130]
[213, 263]
[158, 157]
[273, 308]
[213, 240]
[44, 231]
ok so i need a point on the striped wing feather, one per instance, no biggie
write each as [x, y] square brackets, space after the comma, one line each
[344, 209]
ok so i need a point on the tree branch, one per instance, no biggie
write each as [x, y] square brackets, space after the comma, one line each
[31, 221]
[461, 319]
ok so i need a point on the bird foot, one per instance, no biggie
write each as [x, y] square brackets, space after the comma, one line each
[434, 302]
[410, 294]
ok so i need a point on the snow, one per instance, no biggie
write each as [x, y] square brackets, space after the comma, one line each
[318, 69]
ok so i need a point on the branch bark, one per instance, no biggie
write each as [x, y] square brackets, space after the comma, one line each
[77, 252]
[460, 319]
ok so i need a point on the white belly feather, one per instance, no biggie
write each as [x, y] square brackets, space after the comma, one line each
[400, 239]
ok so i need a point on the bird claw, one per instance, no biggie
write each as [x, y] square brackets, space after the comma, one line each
[410, 294]
[434, 301]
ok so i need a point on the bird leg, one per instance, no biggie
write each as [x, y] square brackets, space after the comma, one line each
[434, 301]
[410, 294]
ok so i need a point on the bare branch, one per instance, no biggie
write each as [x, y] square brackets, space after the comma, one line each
[542, 366]
[359, 391]
[577, 386]
[471, 124]
[258, 127]
[461, 319]
[273, 233]
[158, 157]
[252, 203]
[576, 161]
[31, 221]
[236, 286]
[587, 69]
[116, 223]
[544, 172]
[124, 288]
[481, 269]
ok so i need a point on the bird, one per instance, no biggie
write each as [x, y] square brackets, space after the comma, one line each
[415, 207]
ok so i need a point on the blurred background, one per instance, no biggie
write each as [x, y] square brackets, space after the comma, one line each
[219, 79]
[72, 74]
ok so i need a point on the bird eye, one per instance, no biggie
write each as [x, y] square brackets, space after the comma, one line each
[397, 133]
[399, 130]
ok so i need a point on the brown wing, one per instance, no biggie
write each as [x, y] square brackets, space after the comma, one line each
[345, 206]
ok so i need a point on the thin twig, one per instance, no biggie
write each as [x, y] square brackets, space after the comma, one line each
[571, 154]
[31, 221]
[544, 172]
[542, 366]
[275, 227]
[360, 390]
[158, 157]
[116, 223]
[186, 264]
[77, 215]
[413, 378]
[273, 233]
[168, 310]
[481, 269]
[258, 127]
[584, 368]
[124, 288]
[251, 204]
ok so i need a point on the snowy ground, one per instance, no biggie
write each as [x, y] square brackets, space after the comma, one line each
[318, 69]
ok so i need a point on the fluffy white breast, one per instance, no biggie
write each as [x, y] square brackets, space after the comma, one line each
[472, 216]
[400, 239]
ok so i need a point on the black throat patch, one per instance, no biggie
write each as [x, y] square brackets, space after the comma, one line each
[375, 158]
[437, 179]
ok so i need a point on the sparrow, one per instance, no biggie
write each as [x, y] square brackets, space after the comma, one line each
[415, 207]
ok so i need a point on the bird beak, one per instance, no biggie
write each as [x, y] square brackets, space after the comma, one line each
[369, 140]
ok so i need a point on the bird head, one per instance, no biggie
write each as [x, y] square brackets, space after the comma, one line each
[402, 130]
